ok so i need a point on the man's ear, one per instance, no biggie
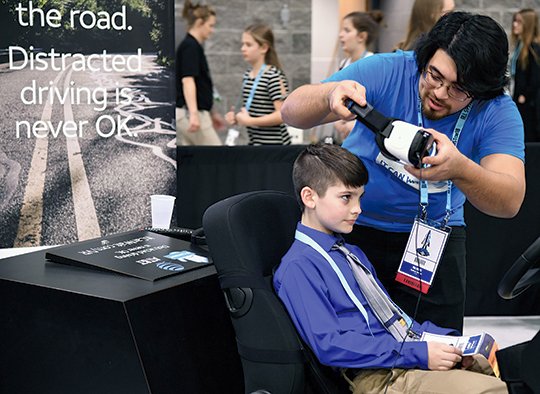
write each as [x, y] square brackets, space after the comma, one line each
[308, 196]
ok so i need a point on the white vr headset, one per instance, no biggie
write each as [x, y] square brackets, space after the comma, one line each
[397, 140]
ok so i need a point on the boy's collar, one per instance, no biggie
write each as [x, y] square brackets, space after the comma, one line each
[326, 241]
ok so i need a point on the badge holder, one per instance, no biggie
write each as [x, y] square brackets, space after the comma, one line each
[425, 245]
[423, 253]
[428, 238]
[232, 135]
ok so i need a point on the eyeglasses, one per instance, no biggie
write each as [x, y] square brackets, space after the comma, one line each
[436, 81]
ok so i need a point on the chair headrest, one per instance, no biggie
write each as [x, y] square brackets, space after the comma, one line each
[249, 233]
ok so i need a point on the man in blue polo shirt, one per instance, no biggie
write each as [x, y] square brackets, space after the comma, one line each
[453, 86]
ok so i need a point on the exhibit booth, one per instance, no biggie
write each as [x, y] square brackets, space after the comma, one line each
[88, 329]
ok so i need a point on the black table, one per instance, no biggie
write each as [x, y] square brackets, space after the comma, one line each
[65, 329]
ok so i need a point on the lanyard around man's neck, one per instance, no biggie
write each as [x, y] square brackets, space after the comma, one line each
[463, 115]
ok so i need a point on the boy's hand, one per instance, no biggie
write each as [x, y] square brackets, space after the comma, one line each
[442, 357]
[467, 362]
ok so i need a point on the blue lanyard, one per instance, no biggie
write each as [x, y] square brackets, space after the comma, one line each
[463, 115]
[304, 238]
[254, 87]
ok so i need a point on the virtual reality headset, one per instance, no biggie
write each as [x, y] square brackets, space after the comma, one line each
[397, 140]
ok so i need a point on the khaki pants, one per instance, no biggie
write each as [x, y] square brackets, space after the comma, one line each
[418, 381]
[206, 135]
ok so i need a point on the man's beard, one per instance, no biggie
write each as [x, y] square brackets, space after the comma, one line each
[430, 113]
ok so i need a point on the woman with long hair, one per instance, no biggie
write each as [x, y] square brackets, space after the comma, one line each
[358, 31]
[264, 89]
[194, 117]
[525, 70]
[424, 14]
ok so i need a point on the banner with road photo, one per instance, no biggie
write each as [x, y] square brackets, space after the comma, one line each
[86, 117]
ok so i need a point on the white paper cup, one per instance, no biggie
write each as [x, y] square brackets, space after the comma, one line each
[162, 209]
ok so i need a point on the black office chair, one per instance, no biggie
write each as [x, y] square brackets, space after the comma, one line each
[247, 235]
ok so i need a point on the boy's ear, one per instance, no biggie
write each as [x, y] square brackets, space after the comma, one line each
[308, 197]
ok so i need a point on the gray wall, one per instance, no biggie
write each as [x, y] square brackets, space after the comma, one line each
[396, 18]
[293, 42]
[500, 10]
[397, 14]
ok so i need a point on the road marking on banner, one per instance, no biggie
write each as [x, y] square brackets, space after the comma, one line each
[31, 216]
[83, 204]
[12, 171]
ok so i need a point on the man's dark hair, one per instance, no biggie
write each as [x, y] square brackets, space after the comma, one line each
[320, 166]
[479, 47]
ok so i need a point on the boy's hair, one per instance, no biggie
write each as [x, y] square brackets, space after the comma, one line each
[320, 166]
[479, 47]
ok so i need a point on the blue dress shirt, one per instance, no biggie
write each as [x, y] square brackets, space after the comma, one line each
[328, 320]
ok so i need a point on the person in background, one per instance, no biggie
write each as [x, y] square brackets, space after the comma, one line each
[452, 86]
[358, 31]
[264, 88]
[195, 119]
[525, 70]
[347, 328]
[424, 14]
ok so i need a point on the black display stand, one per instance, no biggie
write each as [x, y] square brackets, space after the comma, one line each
[493, 245]
[208, 174]
[66, 329]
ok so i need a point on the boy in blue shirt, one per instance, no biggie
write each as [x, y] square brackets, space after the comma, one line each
[343, 329]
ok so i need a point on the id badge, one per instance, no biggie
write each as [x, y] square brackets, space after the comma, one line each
[422, 255]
